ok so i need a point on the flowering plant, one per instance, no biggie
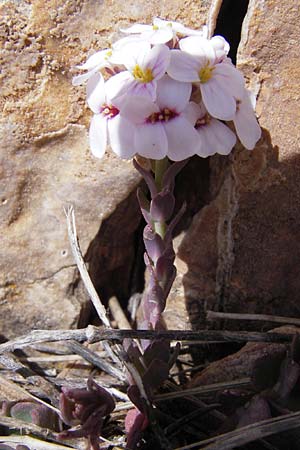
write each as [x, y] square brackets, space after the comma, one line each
[164, 92]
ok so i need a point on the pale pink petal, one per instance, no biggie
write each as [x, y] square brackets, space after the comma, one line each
[172, 94]
[215, 137]
[230, 79]
[118, 85]
[192, 112]
[162, 23]
[98, 135]
[95, 92]
[160, 36]
[143, 89]
[150, 141]
[183, 139]
[97, 59]
[79, 79]
[121, 136]
[157, 60]
[136, 54]
[183, 67]
[221, 47]
[217, 101]
[200, 47]
[137, 109]
[123, 42]
[246, 125]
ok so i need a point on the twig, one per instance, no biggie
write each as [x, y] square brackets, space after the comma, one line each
[196, 401]
[94, 334]
[57, 358]
[46, 388]
[87, 280]
[82, 267]
[33, 443]
[249, 433]
[97, 361]
[11, 390]
[211, 315]
[203, 389]
[118, 314]
[30, 428]
[176, 426]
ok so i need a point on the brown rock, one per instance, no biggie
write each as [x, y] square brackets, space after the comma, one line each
[241, 364]
[46, 163]
[242, 249]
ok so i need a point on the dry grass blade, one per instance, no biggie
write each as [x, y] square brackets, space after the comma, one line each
[203, 389]
[30, 428]
[11, 391]
[248, 434]
[33, 443]
[97, 361]
[211, 315]
[82, 267]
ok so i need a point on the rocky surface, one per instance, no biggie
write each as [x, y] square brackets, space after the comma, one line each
[46, 164]
[238, 254]
[242, 249]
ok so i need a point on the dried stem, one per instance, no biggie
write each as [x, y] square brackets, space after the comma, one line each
[248, 434]
[96, 360]
[204, 389]
[211, 315]
[82, 267]
[94, 334]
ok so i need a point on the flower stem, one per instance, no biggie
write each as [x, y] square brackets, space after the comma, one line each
[159, 169]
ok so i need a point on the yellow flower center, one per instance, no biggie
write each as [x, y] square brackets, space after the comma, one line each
[205, 73]
[108, 54]
[143, 76]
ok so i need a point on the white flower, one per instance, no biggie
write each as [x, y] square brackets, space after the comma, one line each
[220, 83]
[107, 58]
[145, 65]
[162, 129]
[161, 31]
[107, 124]
[246, 125]
[215, 137]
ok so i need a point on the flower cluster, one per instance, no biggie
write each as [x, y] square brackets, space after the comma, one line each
[166, 90]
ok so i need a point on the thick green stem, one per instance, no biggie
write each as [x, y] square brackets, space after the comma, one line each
[160, 167]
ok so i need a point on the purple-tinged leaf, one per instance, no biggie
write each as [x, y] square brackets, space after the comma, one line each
[144, 206]
[170, 174]
[289, 375]
[156, 374]
[148, 177]
[256, 410]
[36, 413]
[85, 407]
[162, 206]
[158, 349]
[153, 243]
[136, 398]
[135, 423]
[173, 223]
